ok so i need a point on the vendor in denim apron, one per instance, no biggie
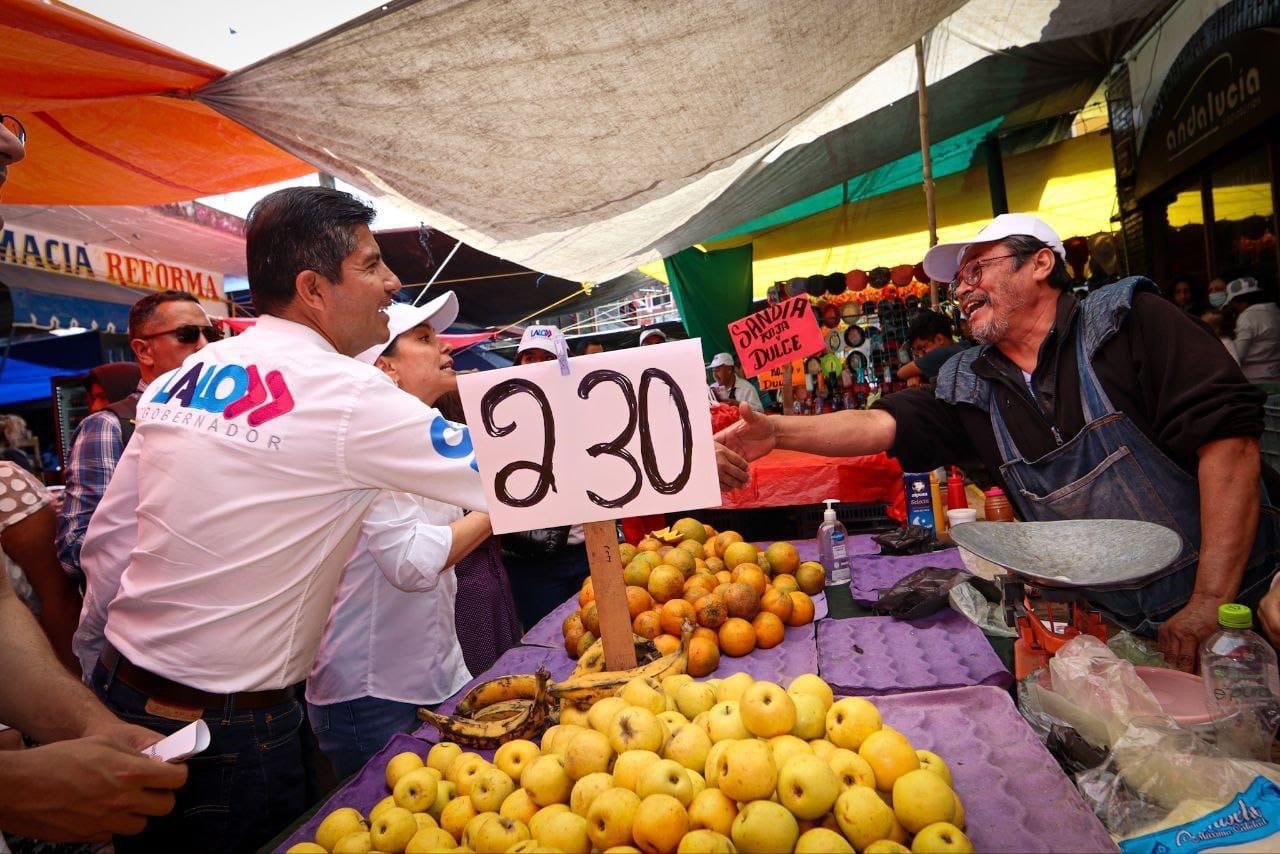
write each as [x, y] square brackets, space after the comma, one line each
[1118, 406]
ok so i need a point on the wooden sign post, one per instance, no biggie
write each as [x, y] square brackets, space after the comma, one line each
[589, 439]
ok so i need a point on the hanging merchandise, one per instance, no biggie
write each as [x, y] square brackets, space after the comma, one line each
[854, 337]
[856, 280]
[850, 311]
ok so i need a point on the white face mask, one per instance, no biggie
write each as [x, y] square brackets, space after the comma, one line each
[1218, 299]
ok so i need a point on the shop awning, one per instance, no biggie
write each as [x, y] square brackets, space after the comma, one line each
[21, 381]
[47, 300]
[109, 119]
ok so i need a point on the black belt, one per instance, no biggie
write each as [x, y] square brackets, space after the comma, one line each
[173, 693]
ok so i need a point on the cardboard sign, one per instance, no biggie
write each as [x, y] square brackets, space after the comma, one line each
[624, 433]
[777, 334]
[771, 380]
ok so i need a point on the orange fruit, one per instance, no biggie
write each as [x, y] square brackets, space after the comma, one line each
[647, 625]
[674, 613]
[591, 619]
[709, 634]
[704, 656]
[666, 583]
[636, 573]
[681, 560]
[571, 622]
[726, 539]
[708, 530]
[749, 573]
[571, 638]
[801, 609]
[584, 643]
[699, 581]
[710, 611]
[742, 600]
[738, 553]
[648, 544]
[778, 603]
[724, 576]
[783, 557]
[769, 630]
[638, 601]
[587, 593]
[811, 577]
[667, 644]
[714, 565]
[785, 583]
[737, 637]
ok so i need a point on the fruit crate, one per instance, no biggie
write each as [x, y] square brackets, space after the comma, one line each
[856, 518]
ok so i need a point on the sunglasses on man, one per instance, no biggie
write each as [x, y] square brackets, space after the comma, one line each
[188, 333]
[13, 126]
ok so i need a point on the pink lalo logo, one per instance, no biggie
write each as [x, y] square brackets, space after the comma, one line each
[232, 390]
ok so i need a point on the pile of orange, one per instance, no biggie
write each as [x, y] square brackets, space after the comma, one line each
[740, 598]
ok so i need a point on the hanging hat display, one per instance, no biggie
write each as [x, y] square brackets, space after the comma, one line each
[853, 337]
[856, 363]
[870, 306]
[901, 275]
[816, 286]
[919, 274]
[795, 287]
[812, 366]
[879, 277]
[830, 316]
[833, 341]
[836, 283]
[856, 280]
[850, 311]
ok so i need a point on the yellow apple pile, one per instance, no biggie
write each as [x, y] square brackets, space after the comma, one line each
[723, 765]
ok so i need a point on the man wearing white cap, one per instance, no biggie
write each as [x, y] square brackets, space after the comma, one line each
[399, 584]
[541, 344]
[652, 335]
[729, 387]
[1257, 338]
[1117, 406]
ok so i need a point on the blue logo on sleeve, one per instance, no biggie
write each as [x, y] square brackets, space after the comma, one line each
[460, 448]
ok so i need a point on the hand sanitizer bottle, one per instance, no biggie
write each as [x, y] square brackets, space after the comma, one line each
[832, 554]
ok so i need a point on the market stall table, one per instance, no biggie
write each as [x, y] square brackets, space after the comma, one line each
[786, 478]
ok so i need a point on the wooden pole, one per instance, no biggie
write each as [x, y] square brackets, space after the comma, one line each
[611, 594]
[926, 162]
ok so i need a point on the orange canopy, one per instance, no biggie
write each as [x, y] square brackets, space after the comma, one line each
[109, 120]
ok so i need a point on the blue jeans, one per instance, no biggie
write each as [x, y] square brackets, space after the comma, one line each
[352, 731]
[243, 790]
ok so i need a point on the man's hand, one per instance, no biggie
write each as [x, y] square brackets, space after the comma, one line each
[1179, 637]
[750, 438]
[733, 468]
[86, 789]
[1269, 614]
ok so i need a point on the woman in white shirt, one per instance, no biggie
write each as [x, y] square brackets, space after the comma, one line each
[390, 646]
[1257, 331]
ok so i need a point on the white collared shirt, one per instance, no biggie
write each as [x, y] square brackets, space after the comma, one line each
[391, 633]
[227, 526]
[743, 391]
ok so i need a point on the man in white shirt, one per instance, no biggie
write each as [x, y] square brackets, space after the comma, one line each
[238, 502]
[399, 584]
[729, 387]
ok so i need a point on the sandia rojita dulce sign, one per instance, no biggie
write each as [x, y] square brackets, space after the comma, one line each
[776, 335]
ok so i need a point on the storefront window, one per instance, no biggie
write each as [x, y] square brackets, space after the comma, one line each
[1244, 221]
[1185, 253]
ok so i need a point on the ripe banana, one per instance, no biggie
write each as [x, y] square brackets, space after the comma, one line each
[592, 660]
[502, 711]
[489, 734]
[581, 691]
[500, 690]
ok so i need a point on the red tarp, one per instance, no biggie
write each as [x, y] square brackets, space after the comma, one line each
[785, 478]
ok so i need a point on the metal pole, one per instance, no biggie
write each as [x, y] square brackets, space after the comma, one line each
[422, 293]
[926, 162]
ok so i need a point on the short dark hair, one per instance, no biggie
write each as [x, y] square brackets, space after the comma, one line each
[1023, 246]
[927, 324]
[144, 310]
[296, 229]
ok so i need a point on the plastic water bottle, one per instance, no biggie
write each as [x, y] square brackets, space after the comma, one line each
[1242, 685]
[834, 557]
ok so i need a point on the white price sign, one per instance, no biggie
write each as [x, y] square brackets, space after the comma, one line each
[625, 433]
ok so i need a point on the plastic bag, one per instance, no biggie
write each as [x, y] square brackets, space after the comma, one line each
[983, 613]
[1137, 650]
[911, 540]
[919, 594]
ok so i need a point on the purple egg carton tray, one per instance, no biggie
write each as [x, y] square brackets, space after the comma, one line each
[1015, 796]
[873, 573]
[798, 653]
[883, 655]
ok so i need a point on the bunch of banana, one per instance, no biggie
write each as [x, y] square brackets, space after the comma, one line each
[592, 660]
[581, 691]
[470, 732]
[504, 689]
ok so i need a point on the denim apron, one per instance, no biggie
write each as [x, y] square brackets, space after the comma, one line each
[1111, 470]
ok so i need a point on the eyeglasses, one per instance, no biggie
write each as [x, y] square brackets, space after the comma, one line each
[188, 333]
[971, 274]
[13, 126]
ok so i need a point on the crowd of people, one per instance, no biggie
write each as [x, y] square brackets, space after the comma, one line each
[1242, 314]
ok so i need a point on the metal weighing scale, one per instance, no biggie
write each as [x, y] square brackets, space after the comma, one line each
[1058, 561]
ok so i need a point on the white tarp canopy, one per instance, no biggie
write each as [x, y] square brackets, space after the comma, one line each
[582, 137]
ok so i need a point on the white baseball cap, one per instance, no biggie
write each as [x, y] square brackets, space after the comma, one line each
[401, 317]
[542, 338]
[1240, 287]
[942, 262]
[721, 359]
[649, 333]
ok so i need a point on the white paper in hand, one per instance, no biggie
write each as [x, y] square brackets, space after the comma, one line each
[186, 742]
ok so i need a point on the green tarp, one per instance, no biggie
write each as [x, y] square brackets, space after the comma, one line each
[712, 289]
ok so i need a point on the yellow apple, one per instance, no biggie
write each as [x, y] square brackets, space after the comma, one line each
[467, 775]
[890, 756]
[380, 807]
[863, 816]
[401, 764]
[694, 698]
[850, 721]
[689, 746]
[783, 747]
[696, 779]
[820, 840]
[518, 805]
[490, 789]
[958, 821]
[635, 728]
[941, 838]
[713, 760]
[764, 826]
[586, 790]
[306, 848]
[611, 816]
[498, 834]
[445, 792]
[416, 790]
[548, 738]
[712, 809]
[468, 832]
[725, 722]
[441, 755]
[461, 761]
[674, 720]
[705, 842]
[645, 694]
[535, 823]
[671, 685]
[571, 714]
[886, 846]
[733, 687]
[822, 748]
[665, 777]
[564, 735]
[456, 814]
[337, 824]
[659, 823]
[921, 798]
[628, 767]
[546, 781]
[746, 771]
[808, 787]
[566, 832]
[588, 752]
[602, 712]
[933, 762]
[354, 843]
[811, 717]
[514, 756]
[851, 769]
[767, 710]
[815, 686]
[423, 820]
[392, 830]
[429, 840]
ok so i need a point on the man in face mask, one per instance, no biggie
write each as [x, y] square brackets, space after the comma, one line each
[1217, 292]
